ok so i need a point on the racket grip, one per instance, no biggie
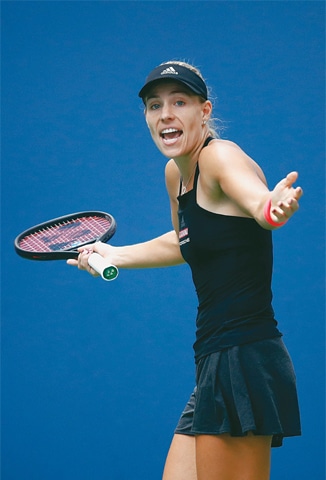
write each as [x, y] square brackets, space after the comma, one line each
[107, 271]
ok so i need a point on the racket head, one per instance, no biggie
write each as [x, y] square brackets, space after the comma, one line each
[60, 237]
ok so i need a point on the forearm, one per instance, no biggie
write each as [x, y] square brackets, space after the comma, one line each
[162, 251]
[259, 212]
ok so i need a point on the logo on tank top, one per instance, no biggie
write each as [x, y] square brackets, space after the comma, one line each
[183, 236]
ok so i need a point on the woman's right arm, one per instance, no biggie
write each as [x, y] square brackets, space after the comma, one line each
[162, 251]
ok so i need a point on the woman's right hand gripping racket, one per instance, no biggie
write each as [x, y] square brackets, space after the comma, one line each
[60, 238]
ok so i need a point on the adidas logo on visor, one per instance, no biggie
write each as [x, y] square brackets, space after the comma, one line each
[169, 70]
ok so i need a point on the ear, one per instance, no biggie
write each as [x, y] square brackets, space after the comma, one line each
[207, 109]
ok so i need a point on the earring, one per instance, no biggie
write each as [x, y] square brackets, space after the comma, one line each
[204, 122]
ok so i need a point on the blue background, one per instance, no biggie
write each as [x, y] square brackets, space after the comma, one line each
[95, 375]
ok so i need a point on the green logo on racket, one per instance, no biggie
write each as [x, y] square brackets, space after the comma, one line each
[110, 273]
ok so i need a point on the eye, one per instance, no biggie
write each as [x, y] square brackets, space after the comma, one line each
[154, 106]
[180, 103]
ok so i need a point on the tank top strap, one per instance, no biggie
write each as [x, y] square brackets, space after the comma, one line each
[207, 141]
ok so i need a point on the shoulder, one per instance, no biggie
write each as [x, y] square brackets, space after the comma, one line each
[172, 178]
[171, 168]
[172, 174]
[224, 157]
[221, 150]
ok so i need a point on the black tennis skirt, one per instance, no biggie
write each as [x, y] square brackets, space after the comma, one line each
[246, 388]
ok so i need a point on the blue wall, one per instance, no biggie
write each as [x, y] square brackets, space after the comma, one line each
[95, 375]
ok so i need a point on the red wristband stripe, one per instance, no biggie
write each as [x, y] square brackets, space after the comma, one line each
[267, 215]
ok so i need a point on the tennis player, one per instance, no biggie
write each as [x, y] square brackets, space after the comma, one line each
[245, 400]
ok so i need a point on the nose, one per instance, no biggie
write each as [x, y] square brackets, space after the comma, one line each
[166, 113]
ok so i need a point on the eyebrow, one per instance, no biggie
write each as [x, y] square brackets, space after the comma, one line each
[174, 92]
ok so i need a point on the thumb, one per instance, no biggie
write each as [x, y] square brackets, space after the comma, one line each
[291, 178]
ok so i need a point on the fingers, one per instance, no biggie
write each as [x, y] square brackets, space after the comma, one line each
[100, 248]
[298, 192]
[286, 196]
[82, 261]
[84, 253]
[289, 204]
[285, 209]
[290, 179]
[73, 262]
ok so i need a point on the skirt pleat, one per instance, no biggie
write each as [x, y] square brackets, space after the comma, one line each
[246, 388]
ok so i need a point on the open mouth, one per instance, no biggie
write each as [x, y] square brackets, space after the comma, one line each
[170, 135]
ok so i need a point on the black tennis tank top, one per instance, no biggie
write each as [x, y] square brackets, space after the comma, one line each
[231, 260]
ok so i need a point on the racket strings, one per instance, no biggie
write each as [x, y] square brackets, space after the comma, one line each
[66, 235]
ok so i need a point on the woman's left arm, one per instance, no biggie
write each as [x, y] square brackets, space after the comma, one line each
[242, 181]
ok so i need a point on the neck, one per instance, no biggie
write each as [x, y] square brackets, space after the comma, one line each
[187, 163]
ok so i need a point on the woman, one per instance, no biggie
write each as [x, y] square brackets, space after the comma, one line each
[222, 213]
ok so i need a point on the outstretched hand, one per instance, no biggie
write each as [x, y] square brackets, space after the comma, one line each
[285, 198]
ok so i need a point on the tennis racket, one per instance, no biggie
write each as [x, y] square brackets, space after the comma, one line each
[60, 238]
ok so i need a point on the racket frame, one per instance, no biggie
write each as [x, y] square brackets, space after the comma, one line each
[69, 252]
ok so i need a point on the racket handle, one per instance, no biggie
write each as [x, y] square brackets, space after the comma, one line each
[107, 271]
